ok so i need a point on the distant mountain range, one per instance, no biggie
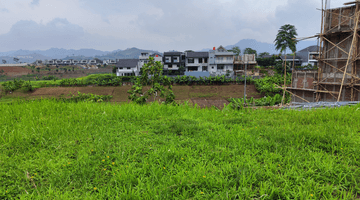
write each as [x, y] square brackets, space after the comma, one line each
[54, 53]
[30, 56]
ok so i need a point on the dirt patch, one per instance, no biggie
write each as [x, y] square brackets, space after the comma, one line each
[15, 71]
[57, 91]
[203, 96]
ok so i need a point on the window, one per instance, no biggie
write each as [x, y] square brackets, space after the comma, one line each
[128, 68]
[183, 57]
[220, 67]
[168, 59]
[170, 66]
[176, 59]
[190, 69]
[190, 60]
[200, 60]
[205, 60]
[204, 68]
[121, 68]
[212, 67]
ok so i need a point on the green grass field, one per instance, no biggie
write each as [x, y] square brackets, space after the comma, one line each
[53, 150]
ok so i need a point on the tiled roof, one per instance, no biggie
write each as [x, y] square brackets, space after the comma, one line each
[127, 62]
[197, 54]
[313, 48]
[172, 53]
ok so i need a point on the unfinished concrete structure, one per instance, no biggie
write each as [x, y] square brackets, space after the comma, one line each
[337, 78]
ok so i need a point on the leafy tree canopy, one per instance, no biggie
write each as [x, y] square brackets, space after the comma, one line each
[250, 51]
[236, 50]
[284, 38]
[151, 74]
[263, 54]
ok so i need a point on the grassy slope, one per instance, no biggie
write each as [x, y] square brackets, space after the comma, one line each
[98, 151]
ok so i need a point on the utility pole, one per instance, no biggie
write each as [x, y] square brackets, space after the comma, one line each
[245, 81]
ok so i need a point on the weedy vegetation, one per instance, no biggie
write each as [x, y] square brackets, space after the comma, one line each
[65, 150]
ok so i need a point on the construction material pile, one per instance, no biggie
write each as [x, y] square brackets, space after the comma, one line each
[320, 105]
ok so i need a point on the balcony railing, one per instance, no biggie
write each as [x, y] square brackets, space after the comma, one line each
[224, 61]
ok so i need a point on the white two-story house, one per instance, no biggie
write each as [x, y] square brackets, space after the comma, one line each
[132, 67]
[196, 61]
[221, 62]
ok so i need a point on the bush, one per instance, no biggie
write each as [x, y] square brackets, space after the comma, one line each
[50, 77]
[27, 86]
[82, 97]
[11, 86]
[279, 68]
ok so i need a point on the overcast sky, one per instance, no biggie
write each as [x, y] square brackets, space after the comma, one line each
[150, 24]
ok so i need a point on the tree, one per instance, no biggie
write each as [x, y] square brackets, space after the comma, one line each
[264, 54]
[250, 51]
[114, 69]
[236, 50]
[32, 68]
[284, 39]
[189, 51]
[16, 60]
[4, 61]
[38, 69]
[265, 62]
[181, 70]
[151, 74]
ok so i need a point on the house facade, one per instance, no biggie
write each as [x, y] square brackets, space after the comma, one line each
[196, 61]
[127, 67]
[132, 67]
[221, 62]
[173, 62]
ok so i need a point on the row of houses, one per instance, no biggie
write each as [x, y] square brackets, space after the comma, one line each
[216, 62]
[74, 62]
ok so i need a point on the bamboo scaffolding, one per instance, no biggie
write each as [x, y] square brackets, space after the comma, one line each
[321, 48]
[339, 73]
[351, 48]
[331, 12]
[283, 88]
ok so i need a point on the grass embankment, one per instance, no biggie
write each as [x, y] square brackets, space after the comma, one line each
[97, 151]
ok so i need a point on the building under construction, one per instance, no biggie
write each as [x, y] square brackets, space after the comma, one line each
[338, 75]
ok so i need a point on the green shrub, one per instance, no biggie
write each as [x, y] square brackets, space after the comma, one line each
[82, 97]
[11, 86]
[27, 87]
[50, 77]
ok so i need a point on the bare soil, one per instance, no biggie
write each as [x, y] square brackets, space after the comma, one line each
[203, 96]
[15, 71]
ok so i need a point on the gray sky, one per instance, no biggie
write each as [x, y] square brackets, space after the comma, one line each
[150, 24]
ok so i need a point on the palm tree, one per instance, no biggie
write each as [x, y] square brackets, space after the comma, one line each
[285, 39]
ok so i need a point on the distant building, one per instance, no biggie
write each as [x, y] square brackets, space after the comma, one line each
[173, 62]
[221, 62]
[196, 61]
[309, 55]
[127, 67]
